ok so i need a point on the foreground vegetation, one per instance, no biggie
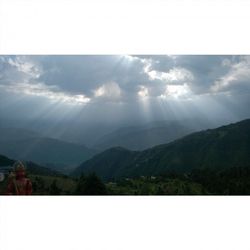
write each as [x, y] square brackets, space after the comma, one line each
[233, 181]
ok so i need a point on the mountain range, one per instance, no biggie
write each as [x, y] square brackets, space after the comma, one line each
[220, 148]
[141, 137]
[31, 146]
[32, 168]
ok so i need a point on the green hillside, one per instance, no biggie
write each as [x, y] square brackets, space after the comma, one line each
[5, 161]
[109, 163]
[221, 148]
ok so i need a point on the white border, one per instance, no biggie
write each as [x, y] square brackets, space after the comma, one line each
[121, 223]
[124, 27]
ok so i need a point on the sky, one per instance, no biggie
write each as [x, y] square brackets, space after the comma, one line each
[122, 89]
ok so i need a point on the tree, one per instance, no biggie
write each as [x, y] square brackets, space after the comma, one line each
[54, 189]
[39, 185]
[80, 185]
[160, 190]
[91, 185]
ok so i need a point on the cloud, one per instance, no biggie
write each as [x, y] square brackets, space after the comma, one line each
[143, 92]
[118, 84]
[108, 91]
[237, 79]
[24, 66]
[84, 75]
[41, 90]
[119, 78]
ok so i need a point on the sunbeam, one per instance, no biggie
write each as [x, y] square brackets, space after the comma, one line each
[66, 92]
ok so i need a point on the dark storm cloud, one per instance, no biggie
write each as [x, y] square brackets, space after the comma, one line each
[205, 69]
[84, 75]
[123, 86]
[77, 74]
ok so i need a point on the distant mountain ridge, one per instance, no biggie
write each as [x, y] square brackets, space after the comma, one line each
[32, 168]
[220, 148]
[30, 146]
[150, 134]
[17, 134]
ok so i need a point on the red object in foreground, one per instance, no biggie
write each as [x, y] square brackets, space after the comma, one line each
[19, 187]
[18, 184]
